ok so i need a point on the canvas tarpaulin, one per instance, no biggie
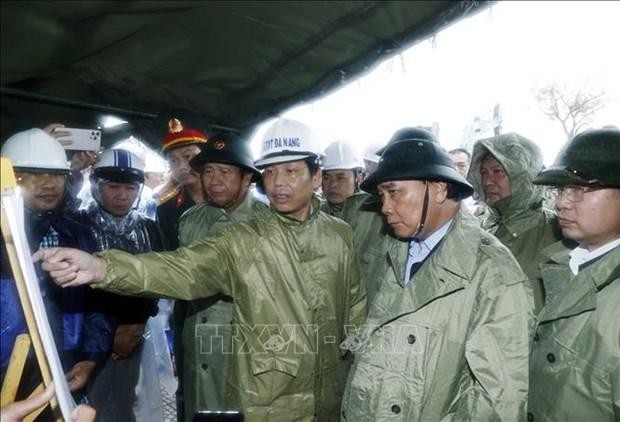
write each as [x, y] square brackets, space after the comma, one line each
[230, 64]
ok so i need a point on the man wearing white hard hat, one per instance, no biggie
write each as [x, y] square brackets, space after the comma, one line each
[343, 171]
[41, 169]
[293, 276]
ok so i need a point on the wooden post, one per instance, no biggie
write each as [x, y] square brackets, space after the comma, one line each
[15, 369]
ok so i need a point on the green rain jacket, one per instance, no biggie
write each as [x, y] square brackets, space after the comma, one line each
[207, 328]
[519, 221]
[575, 360]
[453, 343]
[296, 287]
[331, 209]
[371, 237]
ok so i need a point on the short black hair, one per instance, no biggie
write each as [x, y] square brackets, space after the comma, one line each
[313, 163]
[463, 150]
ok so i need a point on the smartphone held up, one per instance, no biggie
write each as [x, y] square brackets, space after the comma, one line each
[78, 139]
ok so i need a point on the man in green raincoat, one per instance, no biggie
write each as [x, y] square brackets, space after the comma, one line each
[226, 171]
[447, 336]
[342, 170]
[575, 359]
[372, 236]
[293, 276]
[502, 170]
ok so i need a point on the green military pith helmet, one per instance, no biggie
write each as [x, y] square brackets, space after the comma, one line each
[226, 148]
[416, 160]
[590, 158]
[409, 134]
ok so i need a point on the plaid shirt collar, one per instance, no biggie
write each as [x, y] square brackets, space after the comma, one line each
[50, 240]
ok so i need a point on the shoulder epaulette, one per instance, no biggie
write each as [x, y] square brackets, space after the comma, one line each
[167, 196]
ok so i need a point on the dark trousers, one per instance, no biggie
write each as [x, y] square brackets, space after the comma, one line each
[113, 392]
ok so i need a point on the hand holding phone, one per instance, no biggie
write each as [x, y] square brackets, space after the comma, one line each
[78, 139]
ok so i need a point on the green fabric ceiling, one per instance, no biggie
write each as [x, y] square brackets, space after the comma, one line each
[216, 64]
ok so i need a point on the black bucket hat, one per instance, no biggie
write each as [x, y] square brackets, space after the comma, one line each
[226, 148]
[416, 160]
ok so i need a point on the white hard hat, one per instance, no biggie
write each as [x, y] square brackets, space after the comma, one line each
[36, 150]
[340, 155]
[119, 165]
[287, 140]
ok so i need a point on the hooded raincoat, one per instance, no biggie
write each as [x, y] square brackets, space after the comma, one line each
[520, 222]
[296, 287]
[207, 328]
[575, 360]
[453, 343]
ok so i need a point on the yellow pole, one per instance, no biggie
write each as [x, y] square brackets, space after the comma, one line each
[15, 369]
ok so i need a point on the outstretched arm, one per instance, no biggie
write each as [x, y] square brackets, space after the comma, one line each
[71, 267]
[199, 270]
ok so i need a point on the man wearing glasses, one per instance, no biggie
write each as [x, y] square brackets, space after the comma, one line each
[575, 359]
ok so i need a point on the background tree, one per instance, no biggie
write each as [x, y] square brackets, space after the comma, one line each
[572, 108]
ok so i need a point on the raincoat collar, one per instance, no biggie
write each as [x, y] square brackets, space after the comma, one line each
[333, 209]
[516, 217]
[419, 250]
[315, 208]
[567, 295]
[446, 270]
[244, 207]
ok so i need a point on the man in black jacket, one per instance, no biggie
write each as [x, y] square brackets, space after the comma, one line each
[82, 336]
[116, 182]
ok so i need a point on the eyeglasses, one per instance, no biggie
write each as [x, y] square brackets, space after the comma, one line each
[573, 193]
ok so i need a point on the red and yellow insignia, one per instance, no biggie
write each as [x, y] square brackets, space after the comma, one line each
[219, 144]
[174, 126]
[180, 200]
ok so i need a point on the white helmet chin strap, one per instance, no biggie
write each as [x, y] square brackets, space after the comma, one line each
[424, 212]
[136, 205]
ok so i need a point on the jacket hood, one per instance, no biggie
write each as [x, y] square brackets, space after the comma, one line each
[521, 159]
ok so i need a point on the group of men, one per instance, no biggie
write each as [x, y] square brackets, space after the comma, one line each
[392, 303]
[96, 333]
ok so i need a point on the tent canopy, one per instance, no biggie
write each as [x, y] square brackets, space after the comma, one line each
[217, 65]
